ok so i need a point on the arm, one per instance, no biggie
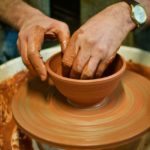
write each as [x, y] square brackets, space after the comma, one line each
[16, 12]
[33, 26]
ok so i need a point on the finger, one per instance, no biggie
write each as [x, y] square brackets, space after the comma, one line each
[69, 55]
[90, 68]
[22, 46]
[34, 45]
[63, 35]
[79, 63]
[103, 66]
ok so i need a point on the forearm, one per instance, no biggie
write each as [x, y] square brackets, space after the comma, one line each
[146, 4]
[16, 12]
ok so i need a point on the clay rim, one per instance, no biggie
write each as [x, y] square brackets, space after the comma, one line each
[63, 145]
[104, 79]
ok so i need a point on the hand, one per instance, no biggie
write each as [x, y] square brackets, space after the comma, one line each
[94, 45]
[31, 37]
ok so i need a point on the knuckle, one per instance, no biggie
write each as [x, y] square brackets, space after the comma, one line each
[77, 36]
[82, 36]
[106, 61]
[80, 31]
[22, 35]
[101, 50]
[66, 62]
[90, 41]
[86, 75]
[64, 25]
[38, 27]
[31, 54]
[77, 68]
[26, 62]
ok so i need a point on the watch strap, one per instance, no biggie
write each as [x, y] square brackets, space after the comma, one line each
[131, 2]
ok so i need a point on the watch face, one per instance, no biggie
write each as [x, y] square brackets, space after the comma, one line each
[139, 14]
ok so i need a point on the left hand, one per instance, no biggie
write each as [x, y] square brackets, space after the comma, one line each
[94, 45]
[31, 36]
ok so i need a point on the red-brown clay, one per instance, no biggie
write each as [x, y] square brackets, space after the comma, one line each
[86, 92]
[44, 114]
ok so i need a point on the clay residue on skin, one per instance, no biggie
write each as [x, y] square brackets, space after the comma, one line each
[7, 89]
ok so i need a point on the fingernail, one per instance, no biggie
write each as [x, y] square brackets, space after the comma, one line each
[64, 45]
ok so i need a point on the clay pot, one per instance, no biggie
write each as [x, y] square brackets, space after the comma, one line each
[86, 92]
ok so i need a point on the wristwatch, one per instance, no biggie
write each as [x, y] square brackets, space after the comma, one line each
[138, 13]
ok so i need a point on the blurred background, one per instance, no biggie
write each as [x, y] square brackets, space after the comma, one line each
[74, 13]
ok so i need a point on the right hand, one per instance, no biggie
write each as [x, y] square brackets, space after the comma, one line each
[31, 37]
[94, 45]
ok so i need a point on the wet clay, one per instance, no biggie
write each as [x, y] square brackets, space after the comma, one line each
[8, 131]
[7, 90]
[58, 123]
[86, 92]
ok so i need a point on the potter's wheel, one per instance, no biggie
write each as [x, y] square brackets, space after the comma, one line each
[43, 113]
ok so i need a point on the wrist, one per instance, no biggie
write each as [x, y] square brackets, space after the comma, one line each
[125, 12]
[26, 13]
[17, 13]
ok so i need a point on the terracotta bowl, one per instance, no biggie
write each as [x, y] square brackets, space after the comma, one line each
[86, 92]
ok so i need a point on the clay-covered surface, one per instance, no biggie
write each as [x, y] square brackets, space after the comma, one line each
[9, 134]
[44, 114]
[139, 68]
[10, 137]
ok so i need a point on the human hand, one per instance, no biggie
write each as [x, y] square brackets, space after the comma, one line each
[31, 36]
[94, 45]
